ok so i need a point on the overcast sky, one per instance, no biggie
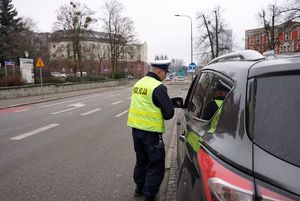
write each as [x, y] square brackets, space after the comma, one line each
[155, 22]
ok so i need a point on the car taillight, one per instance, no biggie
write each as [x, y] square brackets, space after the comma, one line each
[220, 183]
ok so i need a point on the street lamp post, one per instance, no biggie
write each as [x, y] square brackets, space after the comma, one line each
[191, 33]
[191, 38]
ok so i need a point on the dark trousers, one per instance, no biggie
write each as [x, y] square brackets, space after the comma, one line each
[150, 161]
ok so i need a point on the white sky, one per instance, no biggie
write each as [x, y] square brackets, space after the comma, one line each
[155, 22]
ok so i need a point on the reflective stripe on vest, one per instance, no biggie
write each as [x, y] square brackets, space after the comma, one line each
[143, 114]
[214, 122]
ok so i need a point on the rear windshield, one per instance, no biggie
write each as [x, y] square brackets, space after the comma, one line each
[276, 116]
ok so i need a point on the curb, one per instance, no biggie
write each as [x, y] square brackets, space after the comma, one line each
[164, 192]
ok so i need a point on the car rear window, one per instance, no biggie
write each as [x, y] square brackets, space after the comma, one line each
[276, 111]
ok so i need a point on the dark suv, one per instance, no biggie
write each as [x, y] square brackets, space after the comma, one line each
[239, 130]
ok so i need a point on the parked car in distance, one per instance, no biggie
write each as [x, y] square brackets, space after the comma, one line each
[58, 75]
[84, 74]
[238, 130]
[130, 77]
[180, 78]
[169, 77]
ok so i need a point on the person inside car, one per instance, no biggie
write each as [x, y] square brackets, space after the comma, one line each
[216, 102]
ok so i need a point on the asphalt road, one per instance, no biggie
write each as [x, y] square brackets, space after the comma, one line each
[77, 148]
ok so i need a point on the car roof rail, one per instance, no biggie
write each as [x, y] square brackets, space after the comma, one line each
[242, 55]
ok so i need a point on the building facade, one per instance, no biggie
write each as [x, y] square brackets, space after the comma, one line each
[288, 41]
[95, 53]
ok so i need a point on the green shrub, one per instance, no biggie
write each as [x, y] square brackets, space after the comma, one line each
[54, 80]
[120, 75]
[94, 78]
[2, 72]
[73, 79]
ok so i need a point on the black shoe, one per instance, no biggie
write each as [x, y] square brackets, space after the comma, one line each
[138, 192]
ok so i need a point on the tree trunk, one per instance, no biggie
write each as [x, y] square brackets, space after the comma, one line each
[209, 37]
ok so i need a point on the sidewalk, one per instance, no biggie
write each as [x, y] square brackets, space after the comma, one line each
[169, 186]
[13, 102]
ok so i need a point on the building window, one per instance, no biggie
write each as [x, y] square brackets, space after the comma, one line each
[286, 36]
[257, 39]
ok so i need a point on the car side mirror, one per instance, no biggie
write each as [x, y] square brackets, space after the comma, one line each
[177, 102]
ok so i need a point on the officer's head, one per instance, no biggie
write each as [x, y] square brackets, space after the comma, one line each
[221, 89]
[160, 68]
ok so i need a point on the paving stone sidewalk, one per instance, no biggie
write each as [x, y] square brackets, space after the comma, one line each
[168, 188]
[172, 180]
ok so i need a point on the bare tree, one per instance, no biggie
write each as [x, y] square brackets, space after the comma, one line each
[214, 37]
[74, 18]
[292, 7]
[28, 40]
[120, 31]
[161, 57]
[177, 65]
[89, 56]
[101, 56]
[278, 19]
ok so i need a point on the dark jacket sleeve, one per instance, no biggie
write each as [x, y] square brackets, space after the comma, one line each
[162, 100]
[210, 110]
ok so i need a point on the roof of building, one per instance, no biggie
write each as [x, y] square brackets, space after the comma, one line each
[88, 35]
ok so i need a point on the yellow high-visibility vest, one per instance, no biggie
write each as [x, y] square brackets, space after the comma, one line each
[216, 118]
[143, 114]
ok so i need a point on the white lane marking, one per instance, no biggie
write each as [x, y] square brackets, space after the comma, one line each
[115, 103]
[74, 100]
[91, 112]
[20, 137]
[118, 115]
[49, 105]
[74, 106]
[114, 95]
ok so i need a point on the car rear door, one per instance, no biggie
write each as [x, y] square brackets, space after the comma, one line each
[274, 127]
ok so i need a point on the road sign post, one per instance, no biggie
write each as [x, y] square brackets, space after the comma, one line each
[191, 68]
[40, 64]
[105, 72]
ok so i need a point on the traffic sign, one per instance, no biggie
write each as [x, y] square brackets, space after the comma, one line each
[192, 67]
[39, 63]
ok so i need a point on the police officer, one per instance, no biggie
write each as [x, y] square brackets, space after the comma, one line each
[150, 106]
